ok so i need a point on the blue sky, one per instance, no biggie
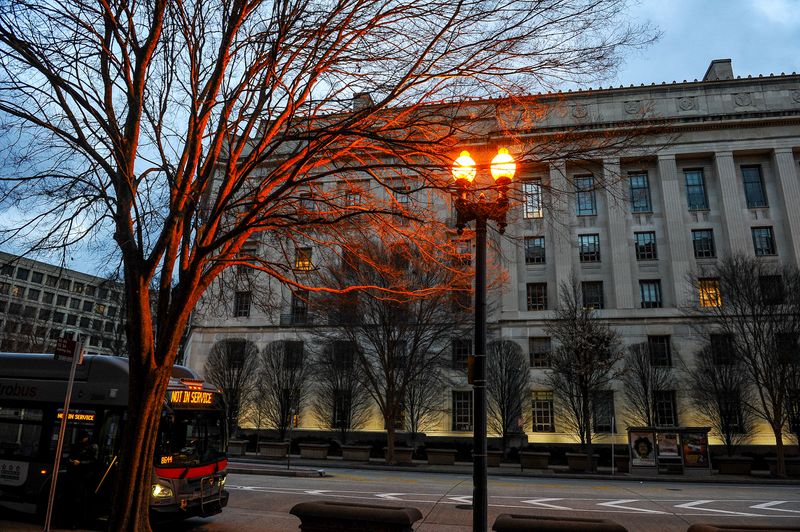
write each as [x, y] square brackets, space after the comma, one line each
[759, 36]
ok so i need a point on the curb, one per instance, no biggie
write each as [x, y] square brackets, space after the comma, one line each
[306, 473]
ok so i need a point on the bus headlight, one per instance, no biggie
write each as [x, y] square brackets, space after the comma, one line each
[161, 492]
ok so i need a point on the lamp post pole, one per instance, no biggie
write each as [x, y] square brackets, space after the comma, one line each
[480, 210]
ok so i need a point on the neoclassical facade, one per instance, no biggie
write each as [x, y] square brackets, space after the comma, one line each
[721, 176]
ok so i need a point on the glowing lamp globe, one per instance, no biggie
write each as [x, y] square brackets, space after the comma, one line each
[503, 166]
[464, 168]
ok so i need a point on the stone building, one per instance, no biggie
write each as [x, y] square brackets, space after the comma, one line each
[720, 177]
[40, 303]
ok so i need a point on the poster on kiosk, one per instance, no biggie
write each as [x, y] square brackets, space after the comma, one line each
[643, 449]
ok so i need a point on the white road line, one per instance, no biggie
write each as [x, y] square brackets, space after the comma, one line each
[769, 506]
[695, 504]
[390, 496]
[464, 499]
[620, 502]
[317, 492]
[543, 503]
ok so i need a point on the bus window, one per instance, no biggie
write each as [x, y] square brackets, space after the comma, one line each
[108, 435]
[77, 422]
[189, 437]
[20, 432]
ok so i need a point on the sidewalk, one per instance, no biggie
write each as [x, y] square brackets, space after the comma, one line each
[302, 467]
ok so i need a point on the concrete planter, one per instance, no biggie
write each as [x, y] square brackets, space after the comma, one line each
[273, 449]
[330, 516]
[441, 456]
[356, 453]
[493, 458]
[577, 462]
[533, 460]
[237, 447]
[622, 462]
[521, 523]
[733, 465]
[402, 455]
[314, 451]
[792, 466]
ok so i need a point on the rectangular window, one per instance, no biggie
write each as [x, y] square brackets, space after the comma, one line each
[754, 191]
[64, 284]
[650, 292]
[534, 250]
[74, 303]
[540, 347]
[5, 288]
[640, 193]
[645, 243]
[532, 199]
[44, 314]
[703, 242]
[51, 281]
[772, 289]
[721, 349]
[22, 274]
[666, 414]
[542, 402]
[307, 204]
[61, 301]
[343, 354]
[763, 241]
[302, 259]
[77, 287]
[7, 270]
[589, 248]
[72, 319]
[299, 308]
[696, 190]
[85, 322]
[603, 411]
[462, 410]
[342, 405]
[48, 298]
[592, 294]
[37, 277]
[89, 290]
[731, 411]
[462, 349]
[293, 355]
[709, 292]
[585, 196]
[241, 304]
[58, 317]
[352, 199]
[88, 306]
[660, 350]
[537, 296]
[33, 294]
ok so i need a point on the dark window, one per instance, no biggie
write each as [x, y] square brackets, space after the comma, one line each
[299, 307]
[352, 199]
[61, 301]
[592, 294]
[58, 317]
[537, 296]
[772, 289]
[542, 402]
[532, 199]
[112, 311]
[293, 355]
[5, 288]
[64, 284]
[33, 294]
[72, 319]
[344, 352]
[85, 322]
[696, 190]
[665, 411]
[89, 290]
[74, 303]
[645, 243]
[88, 306]
[77, 287]
[51, 281]
[589, 248]
[660, 350]
[603, 411]
[763, 241]
[786, 345]
[534, 250]
[342, 405]
[22, 274]
[754, 191]
[44, 314]
[462, 410]
[540, 348]
[7, 270]
[585, 196]
[703, 242]
[109, 327]
[48, 298]
[302, 259]
[640, 193]
[462, 349]
[103, 293]
[650, 293]
[37, 277]
[29, 312]
[721, 349]
[730, 406]
[15, 308]
[241, 304]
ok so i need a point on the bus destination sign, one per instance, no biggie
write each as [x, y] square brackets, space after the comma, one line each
[190, 398]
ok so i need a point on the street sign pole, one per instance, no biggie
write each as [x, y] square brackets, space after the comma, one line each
[77, 355]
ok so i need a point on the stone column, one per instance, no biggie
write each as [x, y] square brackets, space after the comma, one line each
[560, 229]
[618, 247]
[786, 170]
[677, 234]
[733, 209]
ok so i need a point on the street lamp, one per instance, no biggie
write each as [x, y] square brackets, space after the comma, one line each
[469, 208]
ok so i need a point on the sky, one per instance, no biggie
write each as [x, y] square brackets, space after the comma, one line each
[759, 36]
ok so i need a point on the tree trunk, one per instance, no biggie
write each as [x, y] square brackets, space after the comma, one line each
[780, 466]
[589, 449]
[131, 508]
[390, 431]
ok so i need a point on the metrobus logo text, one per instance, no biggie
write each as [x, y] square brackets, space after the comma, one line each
[190, 398]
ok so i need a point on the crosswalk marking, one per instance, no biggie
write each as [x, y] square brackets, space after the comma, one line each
[694, 505]
[621, 502]
[543, 503]
[769, 506]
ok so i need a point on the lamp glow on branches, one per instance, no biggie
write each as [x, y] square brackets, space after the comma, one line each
[503, 167]
[464, 170]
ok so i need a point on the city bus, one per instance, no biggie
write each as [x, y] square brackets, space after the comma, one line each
[189, 466]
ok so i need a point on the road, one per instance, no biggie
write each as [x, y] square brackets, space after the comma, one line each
[263, 502]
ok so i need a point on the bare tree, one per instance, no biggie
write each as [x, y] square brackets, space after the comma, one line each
[152, 123]
[284, 383]
[757, 304]
[507, 386]
[583, 364]
[643, 376]
[233, 366]
[423, 402]
[340, 400]
[720, 392]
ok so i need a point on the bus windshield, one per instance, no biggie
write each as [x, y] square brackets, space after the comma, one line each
[190, 437]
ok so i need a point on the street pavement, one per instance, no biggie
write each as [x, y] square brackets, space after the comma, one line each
[262, 502]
